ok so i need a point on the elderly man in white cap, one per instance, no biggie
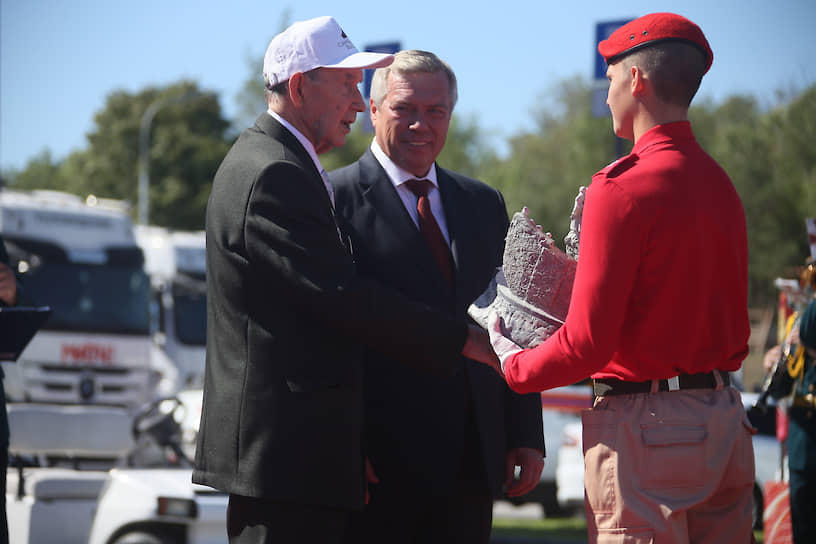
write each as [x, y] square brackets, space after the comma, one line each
[287, 316]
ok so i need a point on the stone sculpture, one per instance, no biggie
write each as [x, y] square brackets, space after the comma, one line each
[531, 291]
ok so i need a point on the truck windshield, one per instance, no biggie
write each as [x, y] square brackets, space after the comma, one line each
[91, 298]
[190, 311]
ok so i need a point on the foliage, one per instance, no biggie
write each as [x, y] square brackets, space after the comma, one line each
[768, 153]
[510, 529]
[771, 160]
[250, 99]
[41, 172]
[545, 168]
[186, 146]
[357, 142]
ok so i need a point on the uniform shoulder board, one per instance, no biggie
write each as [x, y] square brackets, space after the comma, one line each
[619, 166]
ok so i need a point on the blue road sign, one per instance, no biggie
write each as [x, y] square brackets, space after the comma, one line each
[387, 47]
[599, 83]
[602, 32]
[368, 75]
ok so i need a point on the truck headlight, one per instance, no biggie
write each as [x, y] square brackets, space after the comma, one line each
[179, 508]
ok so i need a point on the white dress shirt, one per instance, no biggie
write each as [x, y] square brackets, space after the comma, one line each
[309, 149]
[398, 177]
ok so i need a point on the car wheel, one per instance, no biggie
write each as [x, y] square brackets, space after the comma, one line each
[140, 537]
[758, 508]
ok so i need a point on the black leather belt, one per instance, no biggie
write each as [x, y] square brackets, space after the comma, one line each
[703, 380]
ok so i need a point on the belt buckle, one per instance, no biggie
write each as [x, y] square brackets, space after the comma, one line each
[674, 383]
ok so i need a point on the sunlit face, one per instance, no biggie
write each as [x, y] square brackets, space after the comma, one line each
[331, 103]
[412, 121]
[621, 100]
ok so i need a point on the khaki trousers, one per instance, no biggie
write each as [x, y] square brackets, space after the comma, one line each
[669, 467]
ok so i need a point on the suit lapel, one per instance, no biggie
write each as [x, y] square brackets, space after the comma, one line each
[394, 225]
[464, 242]
[272, 128]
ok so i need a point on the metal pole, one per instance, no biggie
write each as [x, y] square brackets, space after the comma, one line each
[144, 153]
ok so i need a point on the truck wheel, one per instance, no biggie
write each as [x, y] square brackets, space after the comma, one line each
[141, 538]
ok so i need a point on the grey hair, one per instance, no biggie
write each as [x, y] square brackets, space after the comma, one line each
[275, 92]
[407, 62]
[281, 89]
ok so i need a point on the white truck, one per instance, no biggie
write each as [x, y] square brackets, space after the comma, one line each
[123, 483]
[80, 468]
[175, 262]
[81, 259]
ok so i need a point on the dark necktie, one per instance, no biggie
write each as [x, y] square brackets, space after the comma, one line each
[429, 228]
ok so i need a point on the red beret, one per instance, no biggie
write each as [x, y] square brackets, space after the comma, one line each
[650, 29]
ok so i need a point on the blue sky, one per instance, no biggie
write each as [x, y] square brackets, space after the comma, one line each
[59, 59]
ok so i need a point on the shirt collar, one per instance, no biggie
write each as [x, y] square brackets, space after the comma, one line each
[397, 175]
[678, 130]
[300, 137]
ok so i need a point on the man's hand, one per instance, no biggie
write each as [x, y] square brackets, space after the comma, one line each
[477, 347]
[771, 357]
[8, 286]
[530, 462]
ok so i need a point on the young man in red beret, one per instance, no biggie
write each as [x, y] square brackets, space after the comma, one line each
[658, 316]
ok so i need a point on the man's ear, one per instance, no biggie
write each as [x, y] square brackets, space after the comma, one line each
[296, 92]
[372, 109]
[638, 81]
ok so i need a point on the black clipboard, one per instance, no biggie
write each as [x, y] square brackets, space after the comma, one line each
[18, 324]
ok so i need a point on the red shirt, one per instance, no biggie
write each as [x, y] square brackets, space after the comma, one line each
[662, 278]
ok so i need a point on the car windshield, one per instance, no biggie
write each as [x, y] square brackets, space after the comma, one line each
[190, 311]
[91, 297]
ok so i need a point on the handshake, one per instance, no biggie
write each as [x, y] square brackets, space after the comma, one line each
[528, 298]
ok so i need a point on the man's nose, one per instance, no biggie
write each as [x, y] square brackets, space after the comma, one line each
[358, 103]
[418, 122]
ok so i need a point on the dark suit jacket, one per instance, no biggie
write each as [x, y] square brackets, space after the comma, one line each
[415, 424]
[282, 408]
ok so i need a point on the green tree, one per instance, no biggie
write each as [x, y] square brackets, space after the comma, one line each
[250, 99]
[41, 172]
[186, 146]
[770, 158]
[546, 167]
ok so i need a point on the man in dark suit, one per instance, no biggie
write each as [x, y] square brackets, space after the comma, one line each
[9, 293]
[441, 450]
[286, 313]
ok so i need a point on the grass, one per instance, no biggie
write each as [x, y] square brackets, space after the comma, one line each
[571, 529]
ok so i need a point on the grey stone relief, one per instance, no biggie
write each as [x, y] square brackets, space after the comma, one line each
[531, 290]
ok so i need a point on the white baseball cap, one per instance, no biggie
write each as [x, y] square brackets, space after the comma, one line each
[315, 43]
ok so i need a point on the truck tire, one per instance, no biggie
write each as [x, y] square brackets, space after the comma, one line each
[140, 537]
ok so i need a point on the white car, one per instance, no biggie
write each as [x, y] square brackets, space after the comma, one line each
[97, 475]
[559, 407]
[767, 459]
